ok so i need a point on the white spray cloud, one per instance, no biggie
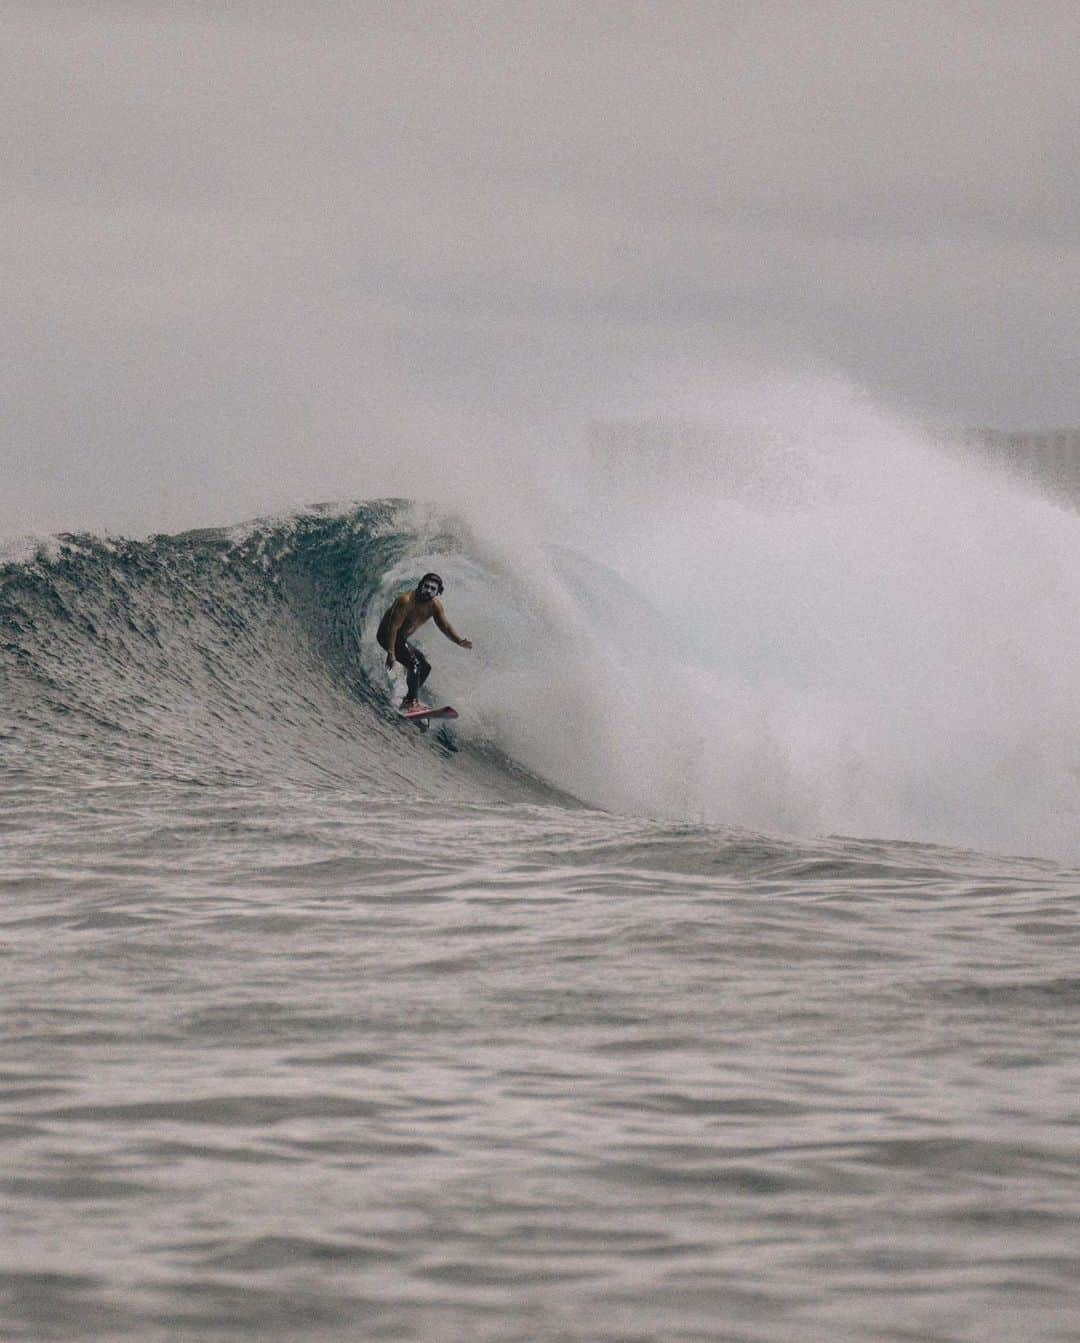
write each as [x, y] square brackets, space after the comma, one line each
[848, 630]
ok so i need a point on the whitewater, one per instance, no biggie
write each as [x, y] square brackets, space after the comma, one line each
[713, 977]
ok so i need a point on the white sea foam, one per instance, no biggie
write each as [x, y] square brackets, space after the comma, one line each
[845, 629]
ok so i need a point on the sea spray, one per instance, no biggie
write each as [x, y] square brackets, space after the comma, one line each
[836, 624]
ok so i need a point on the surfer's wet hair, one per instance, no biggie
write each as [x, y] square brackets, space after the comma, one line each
[431, 578]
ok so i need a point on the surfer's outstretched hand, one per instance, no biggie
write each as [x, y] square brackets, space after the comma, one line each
[464, 643]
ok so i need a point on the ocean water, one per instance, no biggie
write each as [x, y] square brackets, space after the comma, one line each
[689, 988]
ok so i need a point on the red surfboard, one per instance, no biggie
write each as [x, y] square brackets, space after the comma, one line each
[424, 711]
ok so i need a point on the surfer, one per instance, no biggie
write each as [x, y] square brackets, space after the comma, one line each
[400, 623]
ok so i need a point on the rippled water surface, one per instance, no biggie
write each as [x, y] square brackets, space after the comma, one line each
[284, 1062]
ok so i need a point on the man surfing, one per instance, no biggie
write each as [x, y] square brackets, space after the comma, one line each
[400, 623]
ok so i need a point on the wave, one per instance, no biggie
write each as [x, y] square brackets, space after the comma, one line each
[228, 654]
[852, 632]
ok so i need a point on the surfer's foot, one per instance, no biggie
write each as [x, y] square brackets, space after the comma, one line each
[408, 703]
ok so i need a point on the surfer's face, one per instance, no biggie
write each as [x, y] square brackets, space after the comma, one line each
[428, 591]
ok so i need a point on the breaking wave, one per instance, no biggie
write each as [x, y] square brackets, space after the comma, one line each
[850, 633]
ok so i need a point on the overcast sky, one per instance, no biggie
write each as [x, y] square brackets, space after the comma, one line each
[256, 254]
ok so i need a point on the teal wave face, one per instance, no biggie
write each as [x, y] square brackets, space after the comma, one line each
[221, 654]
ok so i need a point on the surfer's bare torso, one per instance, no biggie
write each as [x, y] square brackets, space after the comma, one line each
[409, 612]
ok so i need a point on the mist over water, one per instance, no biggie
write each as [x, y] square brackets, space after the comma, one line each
[839, 624]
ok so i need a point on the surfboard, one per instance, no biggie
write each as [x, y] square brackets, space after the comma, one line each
[424, 711]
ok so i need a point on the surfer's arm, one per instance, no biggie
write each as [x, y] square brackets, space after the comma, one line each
[396, 622]
[448, 629]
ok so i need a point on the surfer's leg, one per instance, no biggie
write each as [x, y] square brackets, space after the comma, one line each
[417, 668]
[423, 670]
